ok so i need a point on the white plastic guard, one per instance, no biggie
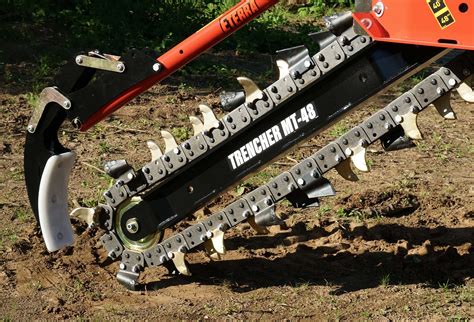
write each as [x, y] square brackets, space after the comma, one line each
[52, 202]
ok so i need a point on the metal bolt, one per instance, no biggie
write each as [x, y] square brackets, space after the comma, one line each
[255, 208]
[344, 40]
[209, 234]
[156, 67]
[67, 105]
[122, 266]
[348, 152]
[136, 269]
[452, 82]
[121, 67]
[171, 255]
[76, 123]
[398, 119]
[379, 9]
[301, 182]
[320, 57]
[307, 64]
[447, 71]
[31, 128]
[440, 90]
[132, 225]
[78, 60]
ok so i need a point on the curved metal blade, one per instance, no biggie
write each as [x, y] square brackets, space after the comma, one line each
[443, 106]
[170, 142]
[465, 91]
[154, 150]
[210, 120]
[198, 126]
[252, 92]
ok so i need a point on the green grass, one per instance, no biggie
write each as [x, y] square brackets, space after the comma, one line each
[22, 215]
[338, 130]
[385, 280]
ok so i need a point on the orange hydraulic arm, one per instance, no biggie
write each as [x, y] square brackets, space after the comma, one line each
[208, 36]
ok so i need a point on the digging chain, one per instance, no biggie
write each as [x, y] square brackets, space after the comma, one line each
[303, 176]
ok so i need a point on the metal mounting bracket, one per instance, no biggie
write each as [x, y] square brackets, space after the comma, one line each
[47, 95]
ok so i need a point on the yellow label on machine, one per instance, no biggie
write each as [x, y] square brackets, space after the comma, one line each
[441, 12]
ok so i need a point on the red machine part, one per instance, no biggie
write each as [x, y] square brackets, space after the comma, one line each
[441, 23]
[208, 36]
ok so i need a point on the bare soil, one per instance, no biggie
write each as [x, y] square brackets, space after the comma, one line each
[398, 244]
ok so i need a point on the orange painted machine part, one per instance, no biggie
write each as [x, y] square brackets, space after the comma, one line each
[217, 30]
[440, 23]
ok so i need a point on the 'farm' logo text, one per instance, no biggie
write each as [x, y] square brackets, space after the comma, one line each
[238, 16]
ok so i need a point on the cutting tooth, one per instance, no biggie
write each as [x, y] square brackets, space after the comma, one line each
[88, 215]
[345, 170]
[215, 245]
[211, 251]
[180, 263]
[443, 106]
[465, 90]
[358, 158]
[198, 126]
[154, 150]
[259, 229]
[252, 92]
[410, 126]
[210, 120]
[283, 68]
[170, 142]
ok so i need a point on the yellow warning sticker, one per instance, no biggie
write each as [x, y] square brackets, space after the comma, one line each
[441, 12]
